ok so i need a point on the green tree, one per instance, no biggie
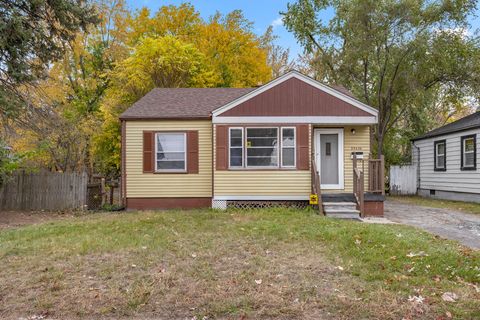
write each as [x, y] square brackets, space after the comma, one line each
[155, 62]
[396, 55]
[33, 33]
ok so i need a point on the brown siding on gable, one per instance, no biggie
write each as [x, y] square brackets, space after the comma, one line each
[294, 98]
[192, 151]
[222, 147]
[148, 147]
[303, 154]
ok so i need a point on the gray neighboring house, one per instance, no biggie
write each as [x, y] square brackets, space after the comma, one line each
[447, 160]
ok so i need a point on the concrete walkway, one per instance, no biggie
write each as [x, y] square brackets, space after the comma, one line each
[446, 223]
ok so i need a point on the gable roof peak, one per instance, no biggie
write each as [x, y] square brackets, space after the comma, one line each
[342, 94]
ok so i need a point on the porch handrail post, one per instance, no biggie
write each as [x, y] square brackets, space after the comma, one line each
[382, 174]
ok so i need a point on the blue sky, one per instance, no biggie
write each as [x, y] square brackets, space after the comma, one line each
[261, 12]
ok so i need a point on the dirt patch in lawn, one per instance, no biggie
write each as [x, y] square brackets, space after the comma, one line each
[14, 219]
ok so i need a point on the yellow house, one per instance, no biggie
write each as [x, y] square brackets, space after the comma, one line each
[228, 147]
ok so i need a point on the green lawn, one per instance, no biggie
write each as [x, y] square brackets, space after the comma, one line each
[234, 264]
[468, 207]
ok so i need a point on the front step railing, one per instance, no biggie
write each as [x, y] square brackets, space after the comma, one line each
[315, 179]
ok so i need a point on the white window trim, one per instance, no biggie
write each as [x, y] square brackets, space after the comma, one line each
[184, 152]
[442, 166]
[341, 168]
[294, 147]
[464, 165]
[230, 147]
[246, 166]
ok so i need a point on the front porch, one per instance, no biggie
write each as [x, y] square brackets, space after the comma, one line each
[367, 196]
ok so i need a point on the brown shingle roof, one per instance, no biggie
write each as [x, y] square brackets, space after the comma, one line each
[182, 103]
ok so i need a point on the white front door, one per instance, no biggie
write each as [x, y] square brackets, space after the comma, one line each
[329, 157]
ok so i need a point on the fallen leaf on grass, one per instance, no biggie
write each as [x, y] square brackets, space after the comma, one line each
[419, 254]
[416, 299]
[449, 297]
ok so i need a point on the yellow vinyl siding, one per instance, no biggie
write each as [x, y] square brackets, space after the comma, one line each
[152, 185]
[358, 142]
[262, 182]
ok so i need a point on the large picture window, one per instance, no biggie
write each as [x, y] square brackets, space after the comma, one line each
[170, 155]
[469, 152]
[262, 147]
[440, 155]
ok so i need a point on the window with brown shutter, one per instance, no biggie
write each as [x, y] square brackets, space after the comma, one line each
[170, 152]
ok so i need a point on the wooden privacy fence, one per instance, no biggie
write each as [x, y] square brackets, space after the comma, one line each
[403, 180]
[44, 191]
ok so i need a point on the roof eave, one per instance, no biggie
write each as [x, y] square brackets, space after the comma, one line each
[135, 118]
[423, 137]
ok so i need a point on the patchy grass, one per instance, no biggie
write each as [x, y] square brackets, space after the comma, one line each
[468, 207]
[274, 263]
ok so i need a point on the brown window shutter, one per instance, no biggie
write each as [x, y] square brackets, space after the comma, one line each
[303, 154]
[148, 153]
[221, 147]
[192, 151]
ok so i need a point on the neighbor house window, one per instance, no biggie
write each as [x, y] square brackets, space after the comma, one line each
[440, 155]
[469, 152]
[262, 147]
[288, 147]
[170, 152]
[236, 147]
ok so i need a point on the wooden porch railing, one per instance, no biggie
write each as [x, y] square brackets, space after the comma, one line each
[376, 175]
[358, 186]
[376, 180]
[315, 178]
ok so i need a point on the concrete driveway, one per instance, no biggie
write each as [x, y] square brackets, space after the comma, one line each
[446, 223]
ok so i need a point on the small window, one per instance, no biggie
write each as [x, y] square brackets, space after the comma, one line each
[440, 155]
[170, 155]
[262, 147]
[288, 147]
[236, 147]
[469, 152]
[328, 149]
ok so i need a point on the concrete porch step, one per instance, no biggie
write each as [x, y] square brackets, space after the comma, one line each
[339, 205]
[342, 210]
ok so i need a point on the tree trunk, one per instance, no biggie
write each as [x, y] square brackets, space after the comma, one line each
[380, 135]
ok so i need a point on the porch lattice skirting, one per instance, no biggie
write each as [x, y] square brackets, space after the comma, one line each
[243, 204]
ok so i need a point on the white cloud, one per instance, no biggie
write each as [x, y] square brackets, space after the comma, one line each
[277, 22]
